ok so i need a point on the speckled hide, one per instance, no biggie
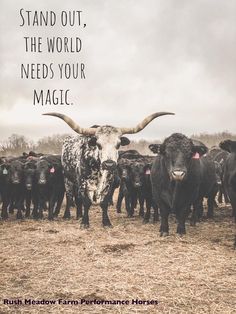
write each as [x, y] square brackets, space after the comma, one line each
[83, 173]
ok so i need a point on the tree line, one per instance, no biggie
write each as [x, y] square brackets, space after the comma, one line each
[16, 144]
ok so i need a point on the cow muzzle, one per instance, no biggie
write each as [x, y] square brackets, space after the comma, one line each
[42, 182]
[178, 175]
[16, 181]
[109, 165]
[28, 187]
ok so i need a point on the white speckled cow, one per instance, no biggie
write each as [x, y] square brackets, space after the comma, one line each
[89, 162]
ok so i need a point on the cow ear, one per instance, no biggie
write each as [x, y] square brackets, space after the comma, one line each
[92, 141]
[162, 149]
[124, 141]
[155, 148]
[228, 145]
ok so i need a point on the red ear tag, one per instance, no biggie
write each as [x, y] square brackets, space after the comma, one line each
[147, 171]
[52, 170]
[196, 156]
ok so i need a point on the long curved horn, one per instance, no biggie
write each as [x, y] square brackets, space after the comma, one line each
[144, 123]
[72, 124]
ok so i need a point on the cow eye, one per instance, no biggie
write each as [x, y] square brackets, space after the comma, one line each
[99, 146]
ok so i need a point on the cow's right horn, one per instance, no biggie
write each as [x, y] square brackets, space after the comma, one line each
[72, 124]
[144, 123]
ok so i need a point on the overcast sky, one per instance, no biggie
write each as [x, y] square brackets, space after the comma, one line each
[140, 56]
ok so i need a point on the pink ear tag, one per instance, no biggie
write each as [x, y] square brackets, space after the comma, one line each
[196, 156]
[147, 171]
[52, 170]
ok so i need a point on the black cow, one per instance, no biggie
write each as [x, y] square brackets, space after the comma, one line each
[17, 186]
[50, 186]
[209, 186]
[98, 146]
[30, 187]
[136, 185]
[218, 155]
[5, 186]
[230, 174]
[175, 177]
[124, 172]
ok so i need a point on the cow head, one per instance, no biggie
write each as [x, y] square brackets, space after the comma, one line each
[155, 148]
[178, 151]
[16, 172]
[124, 169]
[108, 139]
[29, 174]
[228, 145]
[43, 168]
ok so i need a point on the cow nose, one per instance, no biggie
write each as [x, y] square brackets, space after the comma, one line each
[137, 184]
[16, 181]
[28, 186]
[42, 181]
[178, 175]
[109, 164]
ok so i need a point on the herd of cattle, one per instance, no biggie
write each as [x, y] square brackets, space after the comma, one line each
[175, 180]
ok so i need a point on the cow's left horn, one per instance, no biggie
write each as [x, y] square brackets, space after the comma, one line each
[72, 124]
[144, 123]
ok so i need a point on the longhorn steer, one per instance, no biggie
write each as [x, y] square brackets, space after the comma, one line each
[89, 162]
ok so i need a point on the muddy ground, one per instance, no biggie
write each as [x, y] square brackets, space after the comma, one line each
[58, 260]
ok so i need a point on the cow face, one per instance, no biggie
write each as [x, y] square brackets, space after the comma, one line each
[124, 169]
[137, 174]
[4, 171]
[177, 151]
[108, 140]
[29, 175]
[16, 172]
[43, 168]
[228, 145]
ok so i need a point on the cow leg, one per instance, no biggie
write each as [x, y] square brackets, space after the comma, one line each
[181, 225]
[211, 202]
[20, 205]
[199, 209]
[141, 203]
[27, 203]
[40, 210]
[5, 203]
[79, 206]
[69, 187]
[59, 202]
[197, 206]
[147, 214]
[85, 218]
[220, 195]
[148, 210]
[164, 227]
[133, 203]
[119, 201]
[51, 204]
[105, 219]
[181, 215]
[156, 214]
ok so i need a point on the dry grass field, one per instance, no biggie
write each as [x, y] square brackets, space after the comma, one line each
[58, 260]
